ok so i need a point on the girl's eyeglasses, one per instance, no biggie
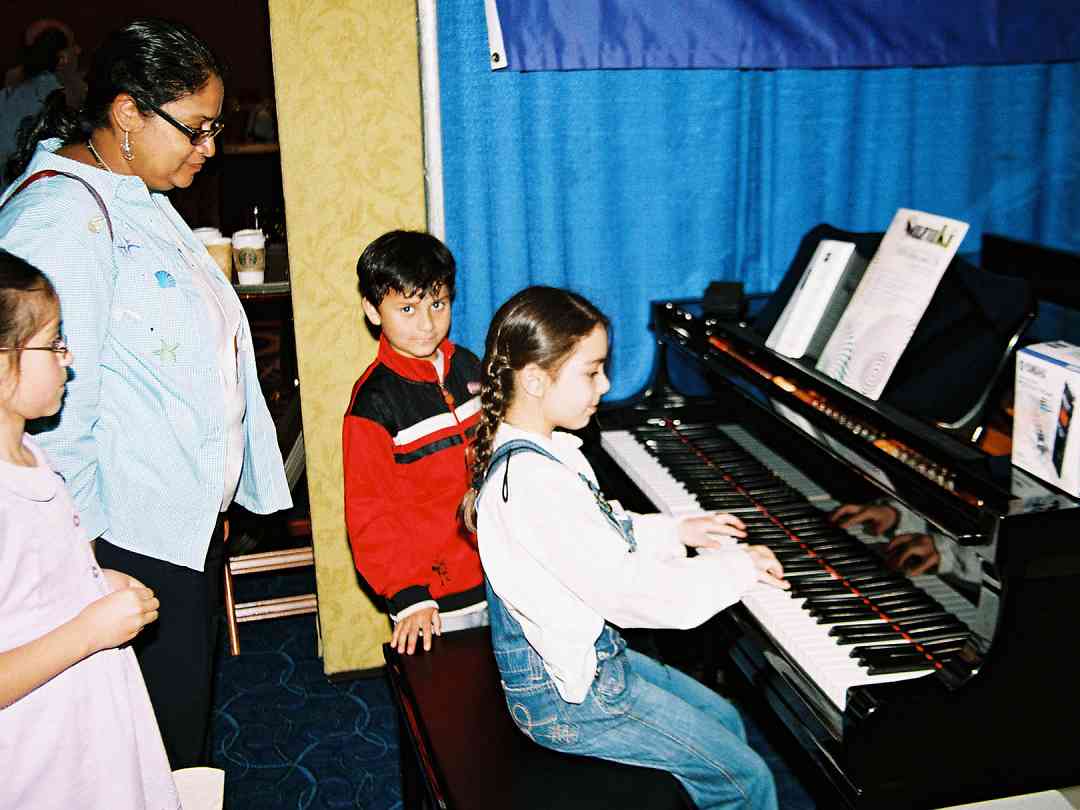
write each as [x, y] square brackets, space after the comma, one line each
[196, 136]
[59, 345]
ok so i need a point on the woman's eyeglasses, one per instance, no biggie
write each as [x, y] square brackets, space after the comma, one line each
[59, 345]
[196, 136]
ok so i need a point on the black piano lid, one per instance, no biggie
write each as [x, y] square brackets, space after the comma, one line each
[979, 481]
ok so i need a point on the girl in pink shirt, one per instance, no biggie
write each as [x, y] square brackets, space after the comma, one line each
[76, 726]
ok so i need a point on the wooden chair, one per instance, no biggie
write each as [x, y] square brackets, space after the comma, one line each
[460, 749]
[278, 607]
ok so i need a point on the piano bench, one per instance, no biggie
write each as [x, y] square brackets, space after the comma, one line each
[460, 749]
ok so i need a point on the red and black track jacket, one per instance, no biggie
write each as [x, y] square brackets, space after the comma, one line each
[404, 440]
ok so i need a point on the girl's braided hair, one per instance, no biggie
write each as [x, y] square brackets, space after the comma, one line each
[540, 325]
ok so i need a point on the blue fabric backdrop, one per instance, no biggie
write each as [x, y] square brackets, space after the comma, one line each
[631, 186]
[589, 34]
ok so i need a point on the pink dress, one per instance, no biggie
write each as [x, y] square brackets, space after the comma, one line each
[87, 738]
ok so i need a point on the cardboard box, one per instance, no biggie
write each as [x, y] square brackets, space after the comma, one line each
[1044, 442]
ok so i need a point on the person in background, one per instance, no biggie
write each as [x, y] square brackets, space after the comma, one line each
[405, 438]
[76, 726]
[50, 63]
[563, 565]
[164, 423]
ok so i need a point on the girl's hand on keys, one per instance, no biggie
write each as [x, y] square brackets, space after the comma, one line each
[768, 567]
[714, 530]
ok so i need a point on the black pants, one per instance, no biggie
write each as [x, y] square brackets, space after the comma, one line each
[176, 653]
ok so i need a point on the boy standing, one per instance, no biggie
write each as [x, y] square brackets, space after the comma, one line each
[410, 420]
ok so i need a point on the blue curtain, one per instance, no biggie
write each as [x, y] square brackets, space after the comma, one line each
[633, 186]
[588, 34]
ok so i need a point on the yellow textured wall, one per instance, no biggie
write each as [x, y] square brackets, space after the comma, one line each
[346, 77]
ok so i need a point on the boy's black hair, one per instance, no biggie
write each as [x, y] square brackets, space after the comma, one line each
[406, 262]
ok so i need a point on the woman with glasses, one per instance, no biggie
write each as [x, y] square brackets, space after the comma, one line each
[163, 424]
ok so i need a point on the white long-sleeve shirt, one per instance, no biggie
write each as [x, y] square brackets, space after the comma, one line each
[562, 569]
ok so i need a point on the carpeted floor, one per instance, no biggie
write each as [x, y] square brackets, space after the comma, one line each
[289, 739]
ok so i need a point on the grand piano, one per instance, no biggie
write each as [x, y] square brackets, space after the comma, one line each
[903, 690]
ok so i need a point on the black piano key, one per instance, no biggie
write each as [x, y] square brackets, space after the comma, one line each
[941, 634]
[914, 664]
[855, 566]
[907, 660]
[807, 564]
[884, 653]
[862, 576]
[857, 634]
[886, 586]
[905, 603]
[840, 617]
[852, 572]
[806, 574]
[826, 605]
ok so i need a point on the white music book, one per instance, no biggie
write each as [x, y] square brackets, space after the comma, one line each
[811, 314]
[890, 300]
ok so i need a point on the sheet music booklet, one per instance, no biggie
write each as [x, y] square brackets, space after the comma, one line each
[815, 307]
[890, 300]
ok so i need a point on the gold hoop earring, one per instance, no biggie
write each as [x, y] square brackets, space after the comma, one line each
[126, 151]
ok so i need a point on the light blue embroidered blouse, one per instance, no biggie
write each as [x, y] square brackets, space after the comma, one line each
[140, 438]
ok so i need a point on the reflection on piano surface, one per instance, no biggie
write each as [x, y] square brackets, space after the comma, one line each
[847, 619]
[915, 691]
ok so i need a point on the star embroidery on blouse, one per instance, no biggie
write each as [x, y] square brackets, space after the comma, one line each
[167, 352]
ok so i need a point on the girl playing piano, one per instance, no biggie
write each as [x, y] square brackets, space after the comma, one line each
[562, 562]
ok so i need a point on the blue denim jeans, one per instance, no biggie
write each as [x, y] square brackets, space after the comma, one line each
[638, 712]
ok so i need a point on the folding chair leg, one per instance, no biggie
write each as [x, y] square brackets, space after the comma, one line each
[230, 612]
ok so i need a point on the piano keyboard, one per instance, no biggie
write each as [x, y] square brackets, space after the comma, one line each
[847, 621]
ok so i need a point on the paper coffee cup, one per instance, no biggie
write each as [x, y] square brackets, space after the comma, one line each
[220, 250]
[249, 256]
[207, 235]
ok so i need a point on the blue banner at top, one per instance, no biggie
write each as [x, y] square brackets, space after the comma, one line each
[612, 34]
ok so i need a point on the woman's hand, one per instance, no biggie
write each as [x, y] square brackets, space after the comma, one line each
[877, 517]
[117, 618]
[713, 530]
[768, 567]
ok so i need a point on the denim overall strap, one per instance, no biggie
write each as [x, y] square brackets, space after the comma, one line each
[515, 657]
[623, 525]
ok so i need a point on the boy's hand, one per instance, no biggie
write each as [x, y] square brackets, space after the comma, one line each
[425, 622]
